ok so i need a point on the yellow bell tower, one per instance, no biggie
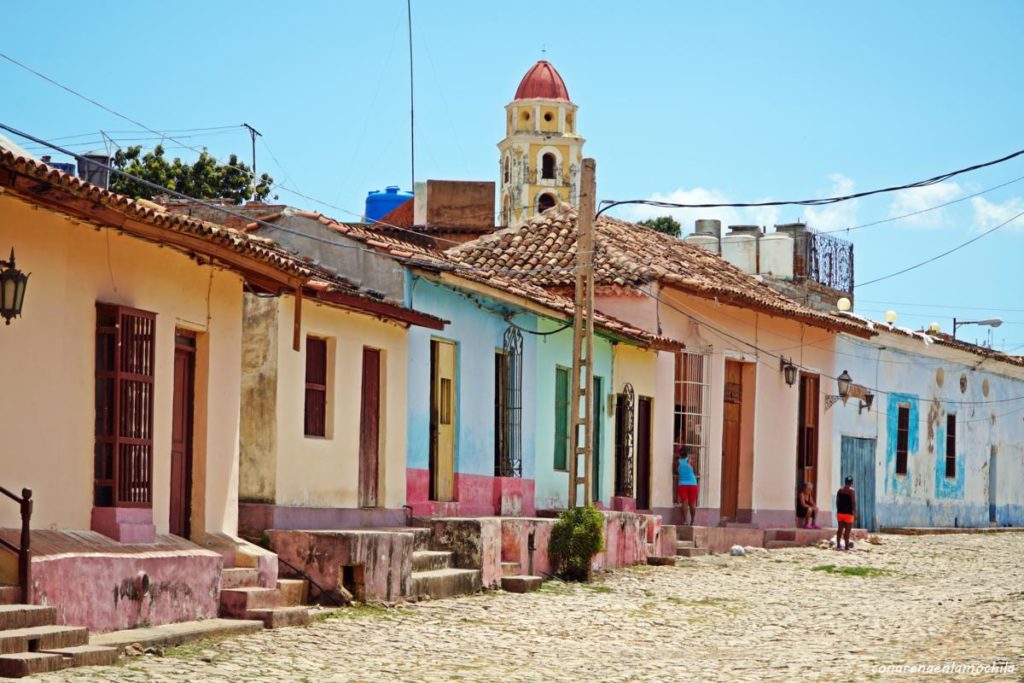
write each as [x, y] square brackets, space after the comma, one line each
[541, 152]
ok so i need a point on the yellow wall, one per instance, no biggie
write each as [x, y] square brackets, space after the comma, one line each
[47, 405]
[324, 472]
[639, 367]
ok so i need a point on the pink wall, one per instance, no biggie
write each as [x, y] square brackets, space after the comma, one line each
[476, 495]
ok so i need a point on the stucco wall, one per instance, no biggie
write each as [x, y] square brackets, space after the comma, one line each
[928, 379]
[638, 367]
[324, 471]
[48, 402]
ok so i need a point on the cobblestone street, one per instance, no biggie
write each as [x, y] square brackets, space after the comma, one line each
[782, 615]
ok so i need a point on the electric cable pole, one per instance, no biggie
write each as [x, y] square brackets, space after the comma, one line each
[252, 134]
[582, 402]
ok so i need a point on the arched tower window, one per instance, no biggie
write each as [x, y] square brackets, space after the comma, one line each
[547, 166]
[505, 171]
[506, 212]
[545, 202]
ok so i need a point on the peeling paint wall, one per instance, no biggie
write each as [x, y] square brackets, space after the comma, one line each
[935, 381]
[257, 482]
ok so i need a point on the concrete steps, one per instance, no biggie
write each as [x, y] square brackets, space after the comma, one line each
[9, 595]
[430, 560]
[31, 643]
[511, 569]
[687, 549]
[446, 583]
[242, 598]
[521, 584]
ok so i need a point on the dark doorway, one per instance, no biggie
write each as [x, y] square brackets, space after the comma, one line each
[369, 430]
[807, 433]
[181, 433]
[598, 413]
[644, 414]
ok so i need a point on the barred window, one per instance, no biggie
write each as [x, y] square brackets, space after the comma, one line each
[691, 412]
[123, 457]
[902, 438]
[951, 446]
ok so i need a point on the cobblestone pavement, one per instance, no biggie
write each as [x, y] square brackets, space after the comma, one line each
[779, 615]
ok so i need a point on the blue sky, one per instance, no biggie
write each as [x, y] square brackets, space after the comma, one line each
[691, 101]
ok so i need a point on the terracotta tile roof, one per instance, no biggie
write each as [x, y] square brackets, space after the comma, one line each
[628, 256]
[149, 213]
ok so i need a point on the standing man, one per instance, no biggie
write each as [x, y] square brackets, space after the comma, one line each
[687, 485]
[846, 512]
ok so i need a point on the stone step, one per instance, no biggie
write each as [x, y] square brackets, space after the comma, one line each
[521, 584]
[38, 638]
[429, 560]
[279, 617]
[293, 592]
[238, 577]
[235, 602]
[775, 545]
[446, 583]
[686, 544]
[691, 552]
[87, 655]
[661, 561]
[421, 537]
[26, 616]
[10, 595]
[29, 663]
[685, 533]
[511, 568]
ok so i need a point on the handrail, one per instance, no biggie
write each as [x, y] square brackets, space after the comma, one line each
[24, 551]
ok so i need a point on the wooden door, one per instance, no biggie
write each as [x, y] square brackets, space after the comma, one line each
[369, 430]
[643, 452]
[181, 435]
[731, 430]
[807, 433]
[442, 421]
[857, 460]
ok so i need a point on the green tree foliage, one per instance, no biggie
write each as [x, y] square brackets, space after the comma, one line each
[665, 224]
[576, 537]
[203, 179]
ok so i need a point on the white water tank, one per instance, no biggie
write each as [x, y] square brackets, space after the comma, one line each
[741, 251]
[704, 241]
[708, 226]
[776, 256]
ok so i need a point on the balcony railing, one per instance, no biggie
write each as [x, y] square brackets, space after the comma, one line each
[24, 549]
[826, 260]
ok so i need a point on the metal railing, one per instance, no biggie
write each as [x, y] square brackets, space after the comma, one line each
[24, 551]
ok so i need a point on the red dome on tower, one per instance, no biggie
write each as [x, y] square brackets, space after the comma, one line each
[542, 82]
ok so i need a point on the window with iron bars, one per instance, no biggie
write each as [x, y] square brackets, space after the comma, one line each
[508, 406]
[691, 423]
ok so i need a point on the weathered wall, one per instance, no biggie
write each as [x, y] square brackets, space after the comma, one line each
[48, 400]
[934, 381]
[639, 367]
[257, 480]
[324, 471]
[477, 328]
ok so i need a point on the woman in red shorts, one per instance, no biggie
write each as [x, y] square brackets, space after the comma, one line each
[846, 511]
[687, 483]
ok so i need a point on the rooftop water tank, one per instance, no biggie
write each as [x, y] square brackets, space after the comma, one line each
[708, 226]
[741, 251]
[380, 204]
[776, 258]
[704, 241]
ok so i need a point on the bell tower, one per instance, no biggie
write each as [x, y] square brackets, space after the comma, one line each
[541, 153]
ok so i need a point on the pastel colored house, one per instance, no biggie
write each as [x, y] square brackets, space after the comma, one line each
[121, 397]
[941, 442]
[723, 399]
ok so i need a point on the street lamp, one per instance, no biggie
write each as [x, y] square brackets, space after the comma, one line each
[12, 289]
[989, 322]
[843, 382]
[788, 370]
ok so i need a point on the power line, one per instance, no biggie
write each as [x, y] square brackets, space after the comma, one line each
[943, 254]
[608, 204]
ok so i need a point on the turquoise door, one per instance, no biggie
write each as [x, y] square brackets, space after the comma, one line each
[858, 461]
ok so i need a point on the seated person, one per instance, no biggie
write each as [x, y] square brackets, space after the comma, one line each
[806, 508]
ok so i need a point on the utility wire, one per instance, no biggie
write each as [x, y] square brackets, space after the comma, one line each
[945, 253]
[608, 204]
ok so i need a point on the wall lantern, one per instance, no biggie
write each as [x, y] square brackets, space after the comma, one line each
[788, 370]
[12, 289]
[843, 381]
[865, 402]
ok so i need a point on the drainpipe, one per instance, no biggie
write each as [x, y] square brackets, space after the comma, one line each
[530, 547]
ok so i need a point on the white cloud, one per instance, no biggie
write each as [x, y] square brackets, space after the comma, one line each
[919, 199]
[990, 214]
[834, 216]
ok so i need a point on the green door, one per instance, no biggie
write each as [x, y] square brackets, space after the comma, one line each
[858, 461]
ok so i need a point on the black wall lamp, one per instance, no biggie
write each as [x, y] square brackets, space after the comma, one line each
[12, 289]
[788, 370]
[843, 381]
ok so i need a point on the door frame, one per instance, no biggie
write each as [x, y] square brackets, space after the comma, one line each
[180, 500]
[729, 501]
[369, 492]
[805, 441]
[434, 473]
[644, 442]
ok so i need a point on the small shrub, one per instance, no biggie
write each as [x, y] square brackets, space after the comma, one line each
[576, 538]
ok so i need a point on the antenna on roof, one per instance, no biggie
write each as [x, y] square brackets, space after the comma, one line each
[412, 124]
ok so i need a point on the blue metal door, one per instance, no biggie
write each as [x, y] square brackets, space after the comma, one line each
[858, 461]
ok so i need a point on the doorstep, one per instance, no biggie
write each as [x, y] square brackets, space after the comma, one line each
[169, 635]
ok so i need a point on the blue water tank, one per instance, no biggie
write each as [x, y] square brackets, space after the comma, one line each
[380, 204]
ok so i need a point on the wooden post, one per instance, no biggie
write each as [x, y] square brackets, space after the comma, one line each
[25, 556]
[297, 332]
[582, 401]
